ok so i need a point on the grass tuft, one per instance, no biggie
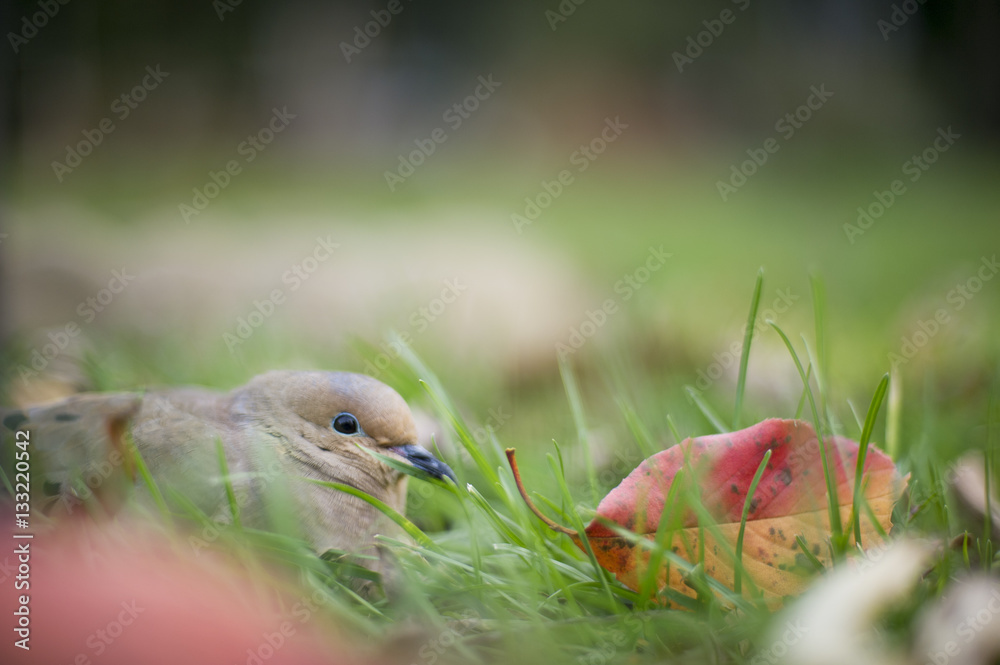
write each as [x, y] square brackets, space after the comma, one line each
[745, 356]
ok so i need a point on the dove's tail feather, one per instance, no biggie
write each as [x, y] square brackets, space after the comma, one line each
[76, 447]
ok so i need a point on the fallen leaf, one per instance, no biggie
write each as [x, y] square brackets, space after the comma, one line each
[790, 501]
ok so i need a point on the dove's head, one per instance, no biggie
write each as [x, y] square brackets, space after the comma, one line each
[328, 416]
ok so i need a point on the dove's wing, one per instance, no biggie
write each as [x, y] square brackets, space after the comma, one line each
[178, 432]
[176, 429]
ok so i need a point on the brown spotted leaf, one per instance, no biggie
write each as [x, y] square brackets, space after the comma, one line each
[790, 500]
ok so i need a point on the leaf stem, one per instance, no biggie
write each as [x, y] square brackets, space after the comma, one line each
[531, 505]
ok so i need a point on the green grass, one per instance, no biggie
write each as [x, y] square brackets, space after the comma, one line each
[503, 587]
[543, 590]
[476, 565]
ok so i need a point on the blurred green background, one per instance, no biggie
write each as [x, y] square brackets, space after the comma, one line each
[697, 90]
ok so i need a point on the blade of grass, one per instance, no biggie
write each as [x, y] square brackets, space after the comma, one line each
[894, 414]
[580, 528]
[673, 429]
[866, 434]
[814, 362]
[855, 415]
[987, 538]
[504, 527]
[802, 398]
[576, 408]
[800, 541]
[713, 418]
[433, 387]
[536, 558]
[348, 617]
[147, 477]
[6, 482]
[706, 522]
[670, 519]
[512, 461]
[441, 556]
[738, 580]
[234, 508]
[835, 524]
[477, 555]
[465, 437]
[639, 432]
[873, 518]
[682, 564]
[409, 527]
[822, 351]
[745, 356]
[626, 405]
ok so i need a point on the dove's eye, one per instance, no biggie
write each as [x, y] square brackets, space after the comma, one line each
[346, 423]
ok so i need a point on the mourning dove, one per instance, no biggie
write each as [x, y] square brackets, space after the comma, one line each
[279, 429]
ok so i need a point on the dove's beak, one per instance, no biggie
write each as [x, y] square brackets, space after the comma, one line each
[422, 459]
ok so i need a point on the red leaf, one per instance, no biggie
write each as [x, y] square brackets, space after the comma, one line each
[790, 501]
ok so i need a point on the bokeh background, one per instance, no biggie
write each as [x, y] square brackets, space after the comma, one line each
[695, 89]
